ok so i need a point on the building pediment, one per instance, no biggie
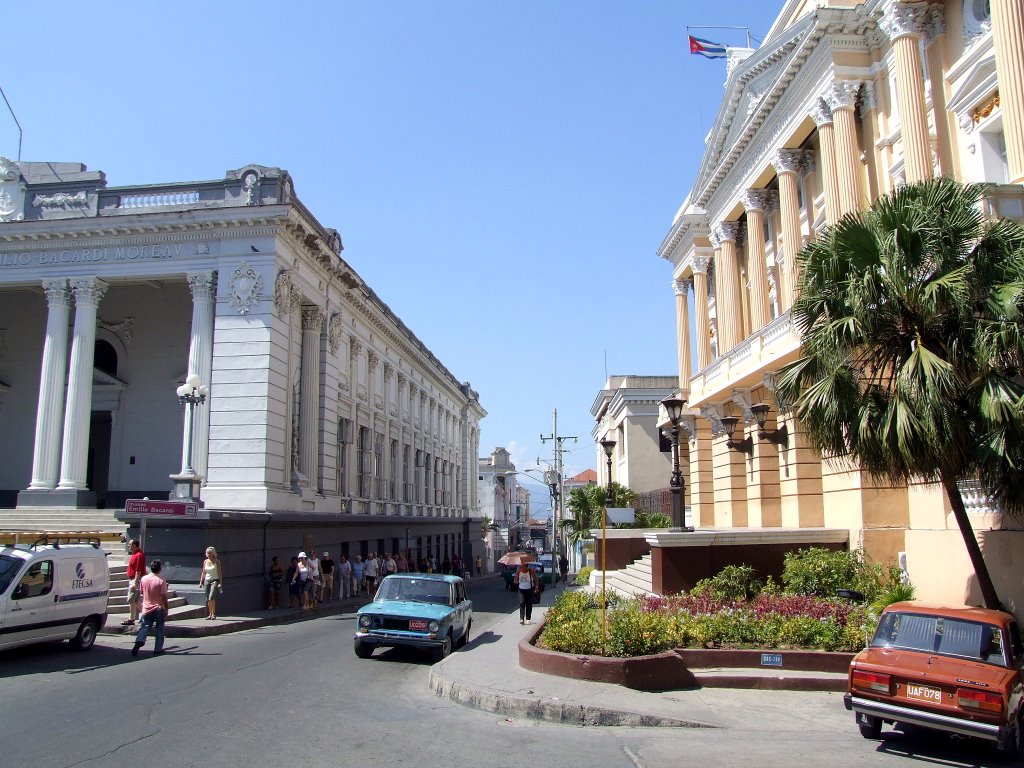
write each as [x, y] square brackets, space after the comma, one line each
[977, 85]
[749, 86]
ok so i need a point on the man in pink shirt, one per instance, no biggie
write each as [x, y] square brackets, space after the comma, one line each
[154, 608]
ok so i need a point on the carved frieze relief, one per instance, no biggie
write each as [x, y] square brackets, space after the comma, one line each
[246, 288]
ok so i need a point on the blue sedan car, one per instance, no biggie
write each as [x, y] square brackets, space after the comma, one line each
[418, 610]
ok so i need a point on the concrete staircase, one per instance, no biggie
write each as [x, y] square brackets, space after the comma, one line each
[117, 602]
[635, 579]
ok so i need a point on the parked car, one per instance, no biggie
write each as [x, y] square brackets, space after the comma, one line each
[418, 610]
[508, 573]
[53, 591]
[950, 669]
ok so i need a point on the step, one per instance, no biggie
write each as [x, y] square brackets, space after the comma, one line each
[122, 608]
[770, 679]
[176, 613]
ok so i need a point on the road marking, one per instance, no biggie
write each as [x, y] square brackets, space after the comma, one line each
[631, 756]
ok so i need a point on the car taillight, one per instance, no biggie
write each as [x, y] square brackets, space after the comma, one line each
[979, 701]
[872, 681]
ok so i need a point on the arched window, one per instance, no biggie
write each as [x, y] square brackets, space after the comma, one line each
[105, 357]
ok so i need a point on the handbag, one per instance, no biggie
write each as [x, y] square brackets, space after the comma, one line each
[536, 595]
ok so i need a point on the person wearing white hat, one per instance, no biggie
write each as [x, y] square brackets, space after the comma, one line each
[301, 579]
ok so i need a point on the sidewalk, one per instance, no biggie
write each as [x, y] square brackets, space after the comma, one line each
[486, 675]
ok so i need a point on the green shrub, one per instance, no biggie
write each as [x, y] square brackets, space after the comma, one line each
[583, 577]
[894, 593]
[571, 625]
[823, 572]
[633, 631]
[734, 582]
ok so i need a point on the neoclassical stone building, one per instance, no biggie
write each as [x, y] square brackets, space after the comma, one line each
[326, 415]
[838, 106]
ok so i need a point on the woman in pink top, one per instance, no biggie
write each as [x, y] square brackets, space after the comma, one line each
[154, 608]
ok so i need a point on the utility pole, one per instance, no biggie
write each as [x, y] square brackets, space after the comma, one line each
[556, 488]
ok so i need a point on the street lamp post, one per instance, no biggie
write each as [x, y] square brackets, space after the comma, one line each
[609, 500]
[190, 394]
[674, 408]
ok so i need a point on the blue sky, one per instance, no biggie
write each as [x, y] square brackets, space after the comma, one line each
[501, 173]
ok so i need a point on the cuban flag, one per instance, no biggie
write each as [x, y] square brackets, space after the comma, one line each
[706, 48]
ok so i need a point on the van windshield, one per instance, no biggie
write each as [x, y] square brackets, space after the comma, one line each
[9, 567]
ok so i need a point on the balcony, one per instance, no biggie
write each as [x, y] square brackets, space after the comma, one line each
[743, 365]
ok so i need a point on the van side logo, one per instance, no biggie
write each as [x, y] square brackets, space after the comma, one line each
[81, 582]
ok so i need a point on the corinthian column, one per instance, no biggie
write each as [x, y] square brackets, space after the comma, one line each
[822, 116]
[904, 23]
[702, 322]
[756, 201]
[787, 166]
[842, 102]
[727, 285]
[309, 406]
[200, 362]
[73, 462]
[1008, 39]
[46, 454]
[681, 288]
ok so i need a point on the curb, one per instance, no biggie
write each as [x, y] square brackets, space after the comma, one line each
[550, 710]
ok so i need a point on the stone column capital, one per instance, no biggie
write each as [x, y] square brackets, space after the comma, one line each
[700, 265]
[900, 19]
[821, 113]
[313, 318]
[355, 348]
[88, 290]
[201, 284]
[757, 200]
[57, 292]
[787, 160]
[724, 231]
[388, 371]
[680, 287]
[844, 94]
[372, 360]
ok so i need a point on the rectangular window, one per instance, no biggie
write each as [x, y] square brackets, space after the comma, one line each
[344, 440]
[378, 465]
[363, 463]
[419, 478]
[393, 471]
[407, 480]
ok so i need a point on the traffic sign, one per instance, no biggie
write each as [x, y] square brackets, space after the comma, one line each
[147, 508]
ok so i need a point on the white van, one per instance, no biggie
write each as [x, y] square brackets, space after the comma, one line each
[53, 591]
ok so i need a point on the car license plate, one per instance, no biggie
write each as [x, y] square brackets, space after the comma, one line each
[924, 693]
[417, 624]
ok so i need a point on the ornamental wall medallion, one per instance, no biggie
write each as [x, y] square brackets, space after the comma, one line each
[12, 192]
[282, 292]
[246, 288]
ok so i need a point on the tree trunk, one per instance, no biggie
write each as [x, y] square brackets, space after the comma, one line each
[988, 590]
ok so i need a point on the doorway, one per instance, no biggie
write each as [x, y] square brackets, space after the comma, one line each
[97, 471]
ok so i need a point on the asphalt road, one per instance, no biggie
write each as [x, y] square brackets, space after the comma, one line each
[296, 695]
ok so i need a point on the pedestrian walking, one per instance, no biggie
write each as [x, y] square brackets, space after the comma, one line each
[357, 575]
[446, 565]
[345, 577]
[135, 571]
[301, 578]
[479, 565]
[294, 596]
[327, 577]
[275, 579]
[563, 567]
[527, 582]
[370, 571]
[212, 581]
[390, 565]
[315, 579]
[154, 609]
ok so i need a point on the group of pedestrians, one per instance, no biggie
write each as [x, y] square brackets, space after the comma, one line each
[147, 599]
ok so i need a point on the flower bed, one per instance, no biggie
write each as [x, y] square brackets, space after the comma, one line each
[654, 624]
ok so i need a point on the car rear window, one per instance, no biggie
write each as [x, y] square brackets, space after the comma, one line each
[942, 635]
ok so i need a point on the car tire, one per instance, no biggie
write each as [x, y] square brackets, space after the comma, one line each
[464, 640]
[870, 726]
[1010, 747]
[86, 635]
[445, 648]
[363, 650]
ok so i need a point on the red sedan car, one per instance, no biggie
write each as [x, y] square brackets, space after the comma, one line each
[951, 669]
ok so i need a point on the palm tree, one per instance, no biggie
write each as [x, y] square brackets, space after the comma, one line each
[913, 344]
[586, 504]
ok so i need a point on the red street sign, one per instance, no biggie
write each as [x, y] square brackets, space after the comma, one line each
[146, 508]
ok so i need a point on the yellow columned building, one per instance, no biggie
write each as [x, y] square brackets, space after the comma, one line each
[838, 106]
